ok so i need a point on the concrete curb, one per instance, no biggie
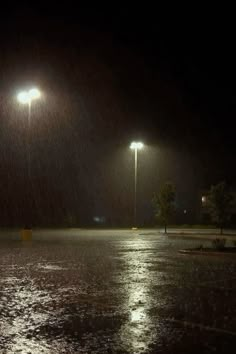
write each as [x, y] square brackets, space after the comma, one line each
[203, 236]
[206, 253]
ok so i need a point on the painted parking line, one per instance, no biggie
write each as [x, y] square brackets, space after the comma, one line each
[200, 326]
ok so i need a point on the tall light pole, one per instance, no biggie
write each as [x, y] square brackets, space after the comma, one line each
[135, 146]
[26, 98]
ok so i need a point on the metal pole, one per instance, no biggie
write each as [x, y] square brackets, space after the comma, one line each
[29, 136]
[135, 184]
[28, 179]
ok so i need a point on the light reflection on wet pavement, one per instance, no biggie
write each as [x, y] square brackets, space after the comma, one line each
[121, 293]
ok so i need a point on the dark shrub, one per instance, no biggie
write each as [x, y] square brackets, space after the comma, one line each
[219, 243]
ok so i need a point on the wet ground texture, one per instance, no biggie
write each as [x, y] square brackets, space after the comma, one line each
[114, 292]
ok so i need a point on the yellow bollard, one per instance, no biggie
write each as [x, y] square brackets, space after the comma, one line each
[26, 235]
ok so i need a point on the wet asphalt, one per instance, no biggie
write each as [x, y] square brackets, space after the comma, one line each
[78, 291]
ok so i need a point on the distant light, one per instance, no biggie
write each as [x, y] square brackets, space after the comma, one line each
[99, 219]
[34, 93]
[203, 199]
[136, 145]
[185, 211]
[23, 97]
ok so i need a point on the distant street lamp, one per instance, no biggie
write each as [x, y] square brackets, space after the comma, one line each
[135, 146]
[26, 98]
[204, 199]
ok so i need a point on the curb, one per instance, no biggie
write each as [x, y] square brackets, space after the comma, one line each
[212, 253]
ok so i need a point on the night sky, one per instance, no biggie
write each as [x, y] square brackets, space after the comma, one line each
[110, 76]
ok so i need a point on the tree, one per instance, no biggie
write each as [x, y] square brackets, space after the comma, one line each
[164, 203]
[219, 203]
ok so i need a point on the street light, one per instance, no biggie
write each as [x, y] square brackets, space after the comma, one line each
[26, 98]
[135, 146]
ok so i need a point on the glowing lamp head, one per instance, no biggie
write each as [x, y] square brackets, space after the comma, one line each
[25, 97]
[34, 94]
[136, 145]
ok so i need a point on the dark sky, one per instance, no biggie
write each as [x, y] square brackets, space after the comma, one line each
[108, 76]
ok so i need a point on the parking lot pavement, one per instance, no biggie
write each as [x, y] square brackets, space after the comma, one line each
[114, 291]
